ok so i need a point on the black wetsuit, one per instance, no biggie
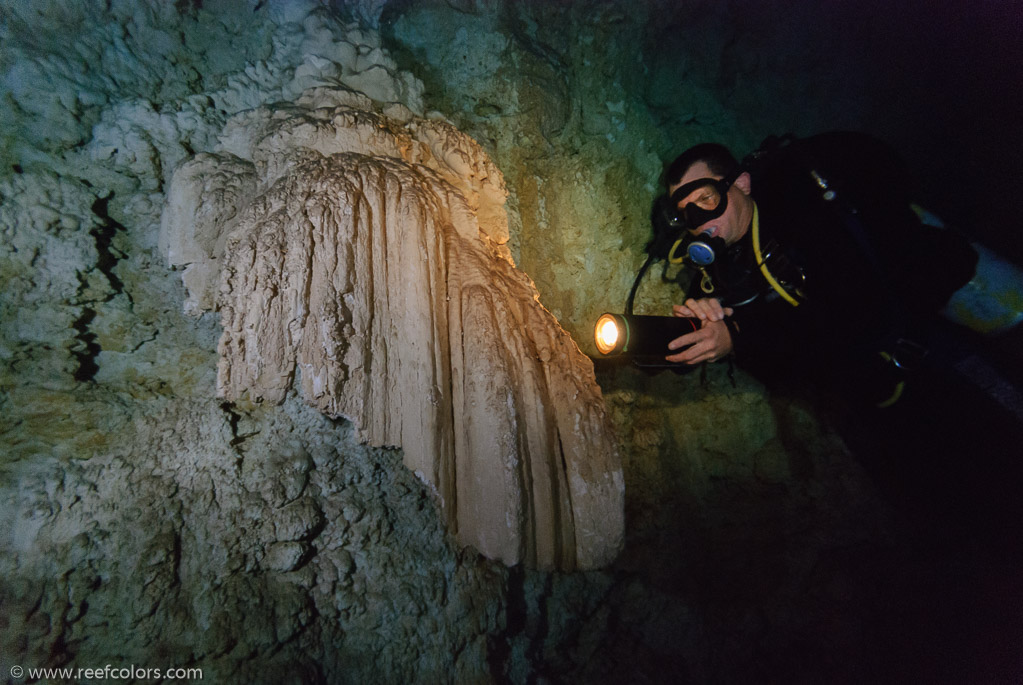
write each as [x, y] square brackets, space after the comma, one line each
[946, 454]
[867, 271]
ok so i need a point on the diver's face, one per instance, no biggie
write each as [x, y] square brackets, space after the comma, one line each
[732, 224]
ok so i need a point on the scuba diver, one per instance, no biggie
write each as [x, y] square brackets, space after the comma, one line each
[810, 267]
[810, 260]
[813, 270]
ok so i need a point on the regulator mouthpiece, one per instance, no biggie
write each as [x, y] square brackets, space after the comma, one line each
[700, 253]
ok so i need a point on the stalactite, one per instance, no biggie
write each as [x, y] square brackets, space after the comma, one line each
[361, 258]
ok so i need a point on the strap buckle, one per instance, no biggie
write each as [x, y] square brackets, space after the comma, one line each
[907, 354]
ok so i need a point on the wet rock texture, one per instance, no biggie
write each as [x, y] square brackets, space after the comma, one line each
[261, 547]
[371, 275]
[143, 520]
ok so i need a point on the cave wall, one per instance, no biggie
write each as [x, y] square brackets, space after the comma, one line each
[145, 519]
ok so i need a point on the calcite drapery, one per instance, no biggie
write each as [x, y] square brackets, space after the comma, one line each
[366, 252]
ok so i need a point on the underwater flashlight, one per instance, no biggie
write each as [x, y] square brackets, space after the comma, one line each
[642, 337]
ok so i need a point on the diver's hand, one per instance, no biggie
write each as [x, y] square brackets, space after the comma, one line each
[712, 342]
[706, 309]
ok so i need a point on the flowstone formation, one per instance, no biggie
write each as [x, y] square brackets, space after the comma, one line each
[363, 255]
[144, 521]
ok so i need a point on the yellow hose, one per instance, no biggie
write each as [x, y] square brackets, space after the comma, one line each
[760, 261]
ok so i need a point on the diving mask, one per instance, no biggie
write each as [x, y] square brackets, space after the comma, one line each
[700, 201]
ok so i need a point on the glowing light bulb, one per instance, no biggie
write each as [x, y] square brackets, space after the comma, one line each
[607, 334]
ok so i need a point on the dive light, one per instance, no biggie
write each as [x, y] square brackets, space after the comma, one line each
[640, 337]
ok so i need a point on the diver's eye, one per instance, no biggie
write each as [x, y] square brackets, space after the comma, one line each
[707, 201]
[704, 201]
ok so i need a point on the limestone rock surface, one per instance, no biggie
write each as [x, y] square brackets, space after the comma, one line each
[361, 257]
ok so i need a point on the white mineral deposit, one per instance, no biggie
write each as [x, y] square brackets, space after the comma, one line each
[350, 254]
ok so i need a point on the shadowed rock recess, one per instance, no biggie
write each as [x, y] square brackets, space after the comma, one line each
[368, 254]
